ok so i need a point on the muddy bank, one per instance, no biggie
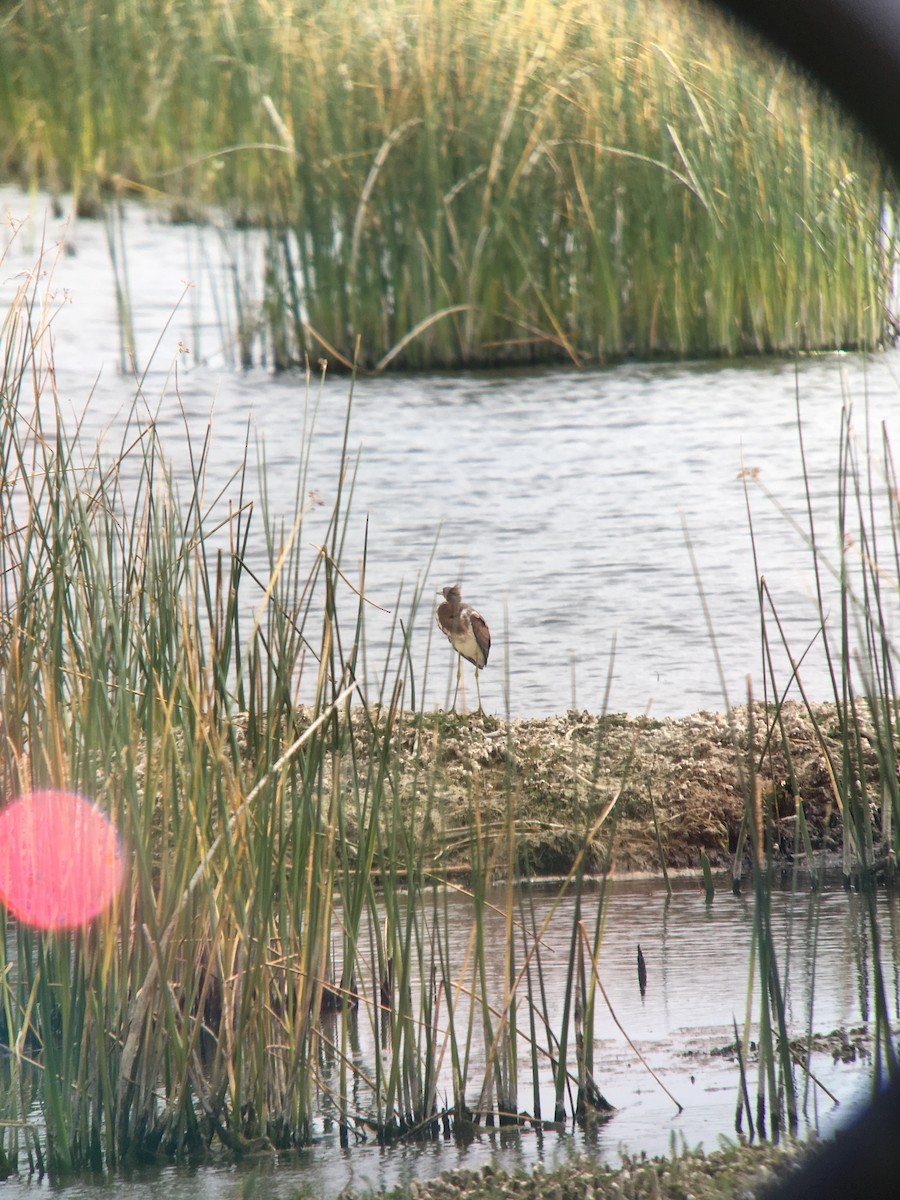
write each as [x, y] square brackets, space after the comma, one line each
[569, 774]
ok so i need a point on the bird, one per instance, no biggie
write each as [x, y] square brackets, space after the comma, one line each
[467, 631]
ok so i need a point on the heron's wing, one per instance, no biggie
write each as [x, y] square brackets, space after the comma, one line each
[481, 633]
[444, 617]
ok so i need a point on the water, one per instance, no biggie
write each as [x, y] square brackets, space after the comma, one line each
[697, 966]
[559, 498]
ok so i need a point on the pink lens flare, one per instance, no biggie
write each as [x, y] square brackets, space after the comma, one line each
[60, 860]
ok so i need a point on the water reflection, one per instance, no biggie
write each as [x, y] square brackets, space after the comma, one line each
[696, 958]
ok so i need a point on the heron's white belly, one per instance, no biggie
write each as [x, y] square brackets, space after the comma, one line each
[464, 643]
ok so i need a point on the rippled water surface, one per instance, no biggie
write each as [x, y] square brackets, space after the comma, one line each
[559, 498]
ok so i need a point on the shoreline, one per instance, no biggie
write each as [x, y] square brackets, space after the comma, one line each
[615, 779]
[738, 1168]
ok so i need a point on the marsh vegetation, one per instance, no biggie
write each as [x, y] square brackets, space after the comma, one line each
[433, 185]
[459, 183]
[278, 889]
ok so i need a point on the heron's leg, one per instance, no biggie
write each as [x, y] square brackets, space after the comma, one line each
[458, 677]
[461, 683]
[478, 689]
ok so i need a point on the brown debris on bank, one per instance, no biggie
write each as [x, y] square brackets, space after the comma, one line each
[563, 772]
[738, 1169]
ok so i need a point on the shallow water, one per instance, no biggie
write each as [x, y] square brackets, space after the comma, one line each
[696, 956]
[559, 498]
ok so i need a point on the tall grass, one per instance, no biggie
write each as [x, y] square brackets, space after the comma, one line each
[279, 889]
[857, 638]
[459, 182]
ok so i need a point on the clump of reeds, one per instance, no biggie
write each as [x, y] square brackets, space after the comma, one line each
[458, 182]
[856, 589]
[277, 892]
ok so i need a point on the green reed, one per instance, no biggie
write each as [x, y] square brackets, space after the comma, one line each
[458, 182]
[283, 882]
[854, 638]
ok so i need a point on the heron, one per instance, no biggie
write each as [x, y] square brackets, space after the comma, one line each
[468, 634]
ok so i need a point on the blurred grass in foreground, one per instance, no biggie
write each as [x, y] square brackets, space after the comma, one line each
[279, 890]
